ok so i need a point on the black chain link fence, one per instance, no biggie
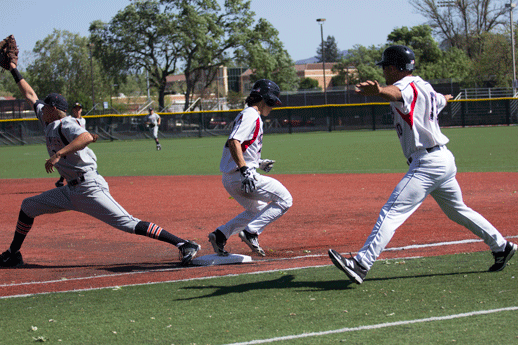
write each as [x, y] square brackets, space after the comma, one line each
[23, 128]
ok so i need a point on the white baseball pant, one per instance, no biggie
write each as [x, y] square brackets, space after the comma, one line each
[429, 173]
[264, 205]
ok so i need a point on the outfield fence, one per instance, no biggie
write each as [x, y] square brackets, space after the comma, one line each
[25, 129]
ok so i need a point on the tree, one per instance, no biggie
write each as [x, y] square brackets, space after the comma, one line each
[331, 51]
[61, 64]
[265, 55]
[363, 59]
[494, 63]
[309, 84]
[206, 36]
[461, 23]
[144, 36]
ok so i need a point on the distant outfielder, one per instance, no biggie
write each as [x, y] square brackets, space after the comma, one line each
[86, 191]
[153, 121]
[416, 107]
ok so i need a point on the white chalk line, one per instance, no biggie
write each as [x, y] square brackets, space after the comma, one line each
[377, 326]
[210, 277]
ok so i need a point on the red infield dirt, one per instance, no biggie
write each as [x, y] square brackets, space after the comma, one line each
[71, 251]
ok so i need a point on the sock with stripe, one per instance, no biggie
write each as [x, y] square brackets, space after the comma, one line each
[154, 231]
[22, 229]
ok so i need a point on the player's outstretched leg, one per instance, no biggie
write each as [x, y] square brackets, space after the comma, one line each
[188, 249]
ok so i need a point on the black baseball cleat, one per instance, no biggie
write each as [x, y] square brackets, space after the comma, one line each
[158, 147]
[188, 251]
[59, 183]
[351, 267]
[501, 258]
[251, 241]
[218, 241]
[7, 259]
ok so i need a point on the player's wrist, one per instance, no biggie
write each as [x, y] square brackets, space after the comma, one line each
[16, 75]
[243, 169]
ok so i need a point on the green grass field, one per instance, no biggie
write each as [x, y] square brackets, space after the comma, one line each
[415, 301]
[475, 149]
[284, 303]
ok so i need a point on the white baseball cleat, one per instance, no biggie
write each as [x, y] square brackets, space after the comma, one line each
[252, 242]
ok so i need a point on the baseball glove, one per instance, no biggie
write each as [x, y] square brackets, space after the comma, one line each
[8, 52]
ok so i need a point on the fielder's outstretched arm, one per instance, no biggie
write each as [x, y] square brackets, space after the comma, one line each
[25, 88]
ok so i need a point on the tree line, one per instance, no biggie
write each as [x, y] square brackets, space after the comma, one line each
[149, 40]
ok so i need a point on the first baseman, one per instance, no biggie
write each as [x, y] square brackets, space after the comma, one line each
[153, 120]
[86, 191]
[77, 109]
[263, 198]
[416, 107]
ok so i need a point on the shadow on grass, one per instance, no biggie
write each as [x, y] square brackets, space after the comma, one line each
[284, 282]
[288, 282]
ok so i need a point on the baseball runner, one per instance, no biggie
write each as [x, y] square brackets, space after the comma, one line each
[263, 198]
[153, 120]
[86, 191]
[416, 106]
[76, 114]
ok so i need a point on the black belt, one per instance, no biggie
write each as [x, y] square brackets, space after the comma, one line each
[428, 149]
[78, 180]
[431, 149]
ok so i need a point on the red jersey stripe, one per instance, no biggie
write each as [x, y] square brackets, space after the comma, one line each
[247, 143]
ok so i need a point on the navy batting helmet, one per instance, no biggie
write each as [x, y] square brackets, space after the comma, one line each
[400, 56]
[268, 90]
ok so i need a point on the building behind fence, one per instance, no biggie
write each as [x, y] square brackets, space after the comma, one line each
[23, 128]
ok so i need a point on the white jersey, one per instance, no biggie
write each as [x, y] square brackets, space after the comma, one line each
[59, 134]
[153, 118]
[416, 117]
[81, 121]
[248, 130]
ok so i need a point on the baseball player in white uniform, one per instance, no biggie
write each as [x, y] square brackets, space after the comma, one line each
[153, 120]
[416, 106]
[86, 191]
[263, 198]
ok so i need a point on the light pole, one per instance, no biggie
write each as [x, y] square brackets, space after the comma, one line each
[321, 22]
[511, 7]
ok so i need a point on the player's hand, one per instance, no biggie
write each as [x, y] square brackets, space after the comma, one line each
[49, 163]
[368, 88]
[248, 179]
[448, 97]
[95, 137]
[266, 164]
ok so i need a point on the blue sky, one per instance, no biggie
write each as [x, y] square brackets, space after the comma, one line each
[351, 22]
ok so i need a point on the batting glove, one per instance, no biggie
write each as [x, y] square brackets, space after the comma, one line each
[266, 164]
[248, 179]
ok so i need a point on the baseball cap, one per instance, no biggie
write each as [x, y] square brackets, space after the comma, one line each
[78, 105]
[56, 100]
[150, 109]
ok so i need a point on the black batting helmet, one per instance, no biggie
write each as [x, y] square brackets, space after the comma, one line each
[400, 56]
[268, 90]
